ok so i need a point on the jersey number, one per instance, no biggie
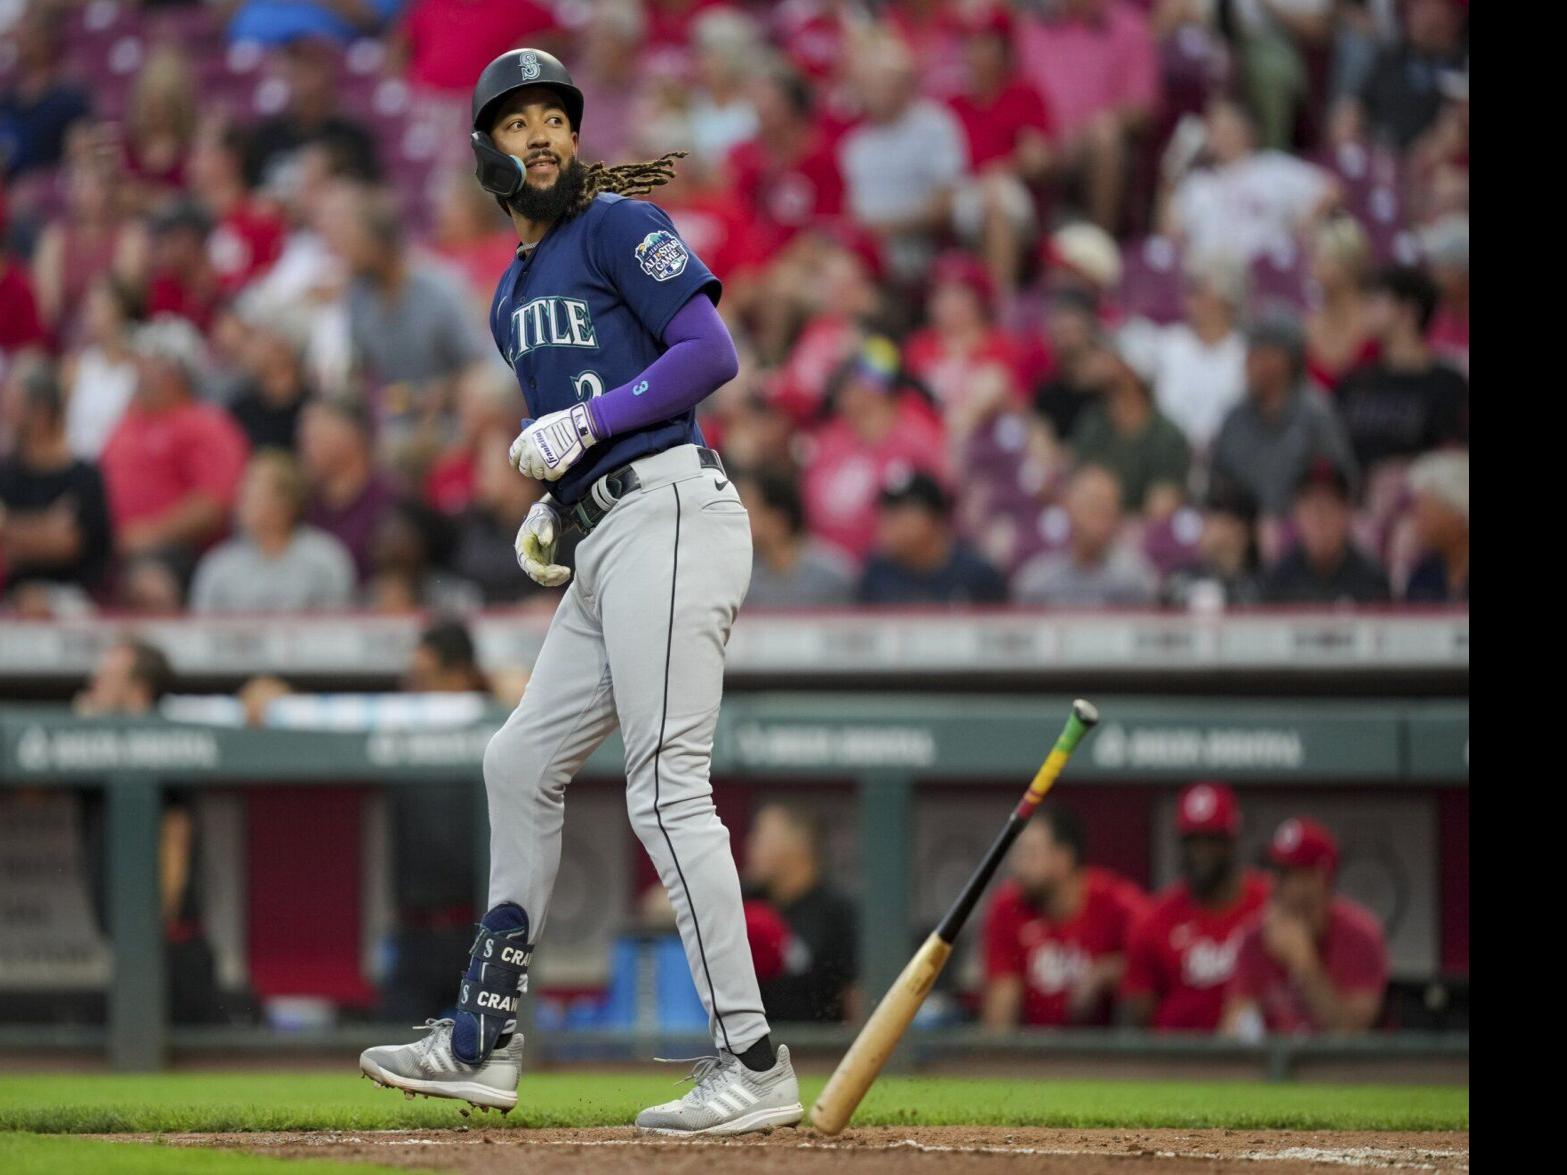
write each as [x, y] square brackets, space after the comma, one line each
[587, 385]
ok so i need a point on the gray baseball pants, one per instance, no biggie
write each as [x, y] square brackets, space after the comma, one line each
[638, 639]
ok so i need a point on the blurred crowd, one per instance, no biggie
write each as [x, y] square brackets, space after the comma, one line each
[1075, 303]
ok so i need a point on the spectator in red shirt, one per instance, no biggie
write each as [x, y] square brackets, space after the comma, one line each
[20, 326]
[183, 281]
[247, 236]
[960, 340]
[1182, 954]
[787, 175]
[447, 43]
[877, 429]
[486, 404]
[1009, 132]
[173, 464]
[1095, 63]
[833, 285]
[1316, 962]
[1056, 933]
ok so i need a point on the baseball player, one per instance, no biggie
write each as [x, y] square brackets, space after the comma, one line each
[1181, 956]
[609, 322]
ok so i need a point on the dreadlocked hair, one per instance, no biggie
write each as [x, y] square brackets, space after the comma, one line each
[626, 179]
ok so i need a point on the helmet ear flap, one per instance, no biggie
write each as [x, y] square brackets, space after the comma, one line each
[498, 173]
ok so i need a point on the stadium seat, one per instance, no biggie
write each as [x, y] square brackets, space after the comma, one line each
[1280, 275]
[1171, 543]
[1151, 280]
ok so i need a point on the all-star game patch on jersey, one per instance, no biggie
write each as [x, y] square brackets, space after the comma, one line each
[584, 312]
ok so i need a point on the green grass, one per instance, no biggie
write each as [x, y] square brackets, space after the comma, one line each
[93, 1103]
[27, 1154]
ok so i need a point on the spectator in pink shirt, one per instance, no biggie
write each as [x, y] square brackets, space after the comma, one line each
[877, 430]
[607, 65]
[172, 466]
[1095, 63]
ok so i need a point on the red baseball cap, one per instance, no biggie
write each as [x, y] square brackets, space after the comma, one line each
[1300, 843]
[1208, 809]
[964, 269]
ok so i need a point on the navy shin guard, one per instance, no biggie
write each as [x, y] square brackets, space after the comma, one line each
[492, 987]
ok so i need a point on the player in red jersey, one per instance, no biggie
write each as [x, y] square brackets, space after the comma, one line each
[1315, 961]
[1182, 955]
[1056, 933]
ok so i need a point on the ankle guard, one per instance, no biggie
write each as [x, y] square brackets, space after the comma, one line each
[492, 987]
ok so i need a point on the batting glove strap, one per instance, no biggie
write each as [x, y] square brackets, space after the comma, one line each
[553, 444]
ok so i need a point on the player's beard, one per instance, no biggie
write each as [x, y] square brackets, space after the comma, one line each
[1206, 875]
[546, 205]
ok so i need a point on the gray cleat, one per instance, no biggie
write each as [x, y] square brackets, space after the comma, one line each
[728, 1098]
[428, 1066]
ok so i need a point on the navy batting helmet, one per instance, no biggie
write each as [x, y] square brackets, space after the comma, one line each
[499, 173]
[514, 71]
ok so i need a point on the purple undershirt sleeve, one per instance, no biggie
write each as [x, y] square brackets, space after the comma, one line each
[700, 360]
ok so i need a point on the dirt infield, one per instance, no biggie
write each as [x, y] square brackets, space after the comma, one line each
[870, 1151]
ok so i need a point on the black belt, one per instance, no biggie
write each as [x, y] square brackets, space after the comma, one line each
[588, 511]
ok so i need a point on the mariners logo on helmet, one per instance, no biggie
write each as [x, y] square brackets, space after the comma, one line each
[528, 63]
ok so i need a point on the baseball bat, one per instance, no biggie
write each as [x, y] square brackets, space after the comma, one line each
[892, 1017]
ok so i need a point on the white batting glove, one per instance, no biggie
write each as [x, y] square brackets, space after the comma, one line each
[536, 545]
[552, 444]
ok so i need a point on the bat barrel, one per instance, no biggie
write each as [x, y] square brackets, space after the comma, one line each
[863, 1062]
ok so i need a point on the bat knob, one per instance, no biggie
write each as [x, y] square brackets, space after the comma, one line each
[1087, 713]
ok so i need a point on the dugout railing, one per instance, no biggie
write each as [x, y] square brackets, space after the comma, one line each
[887, 746]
